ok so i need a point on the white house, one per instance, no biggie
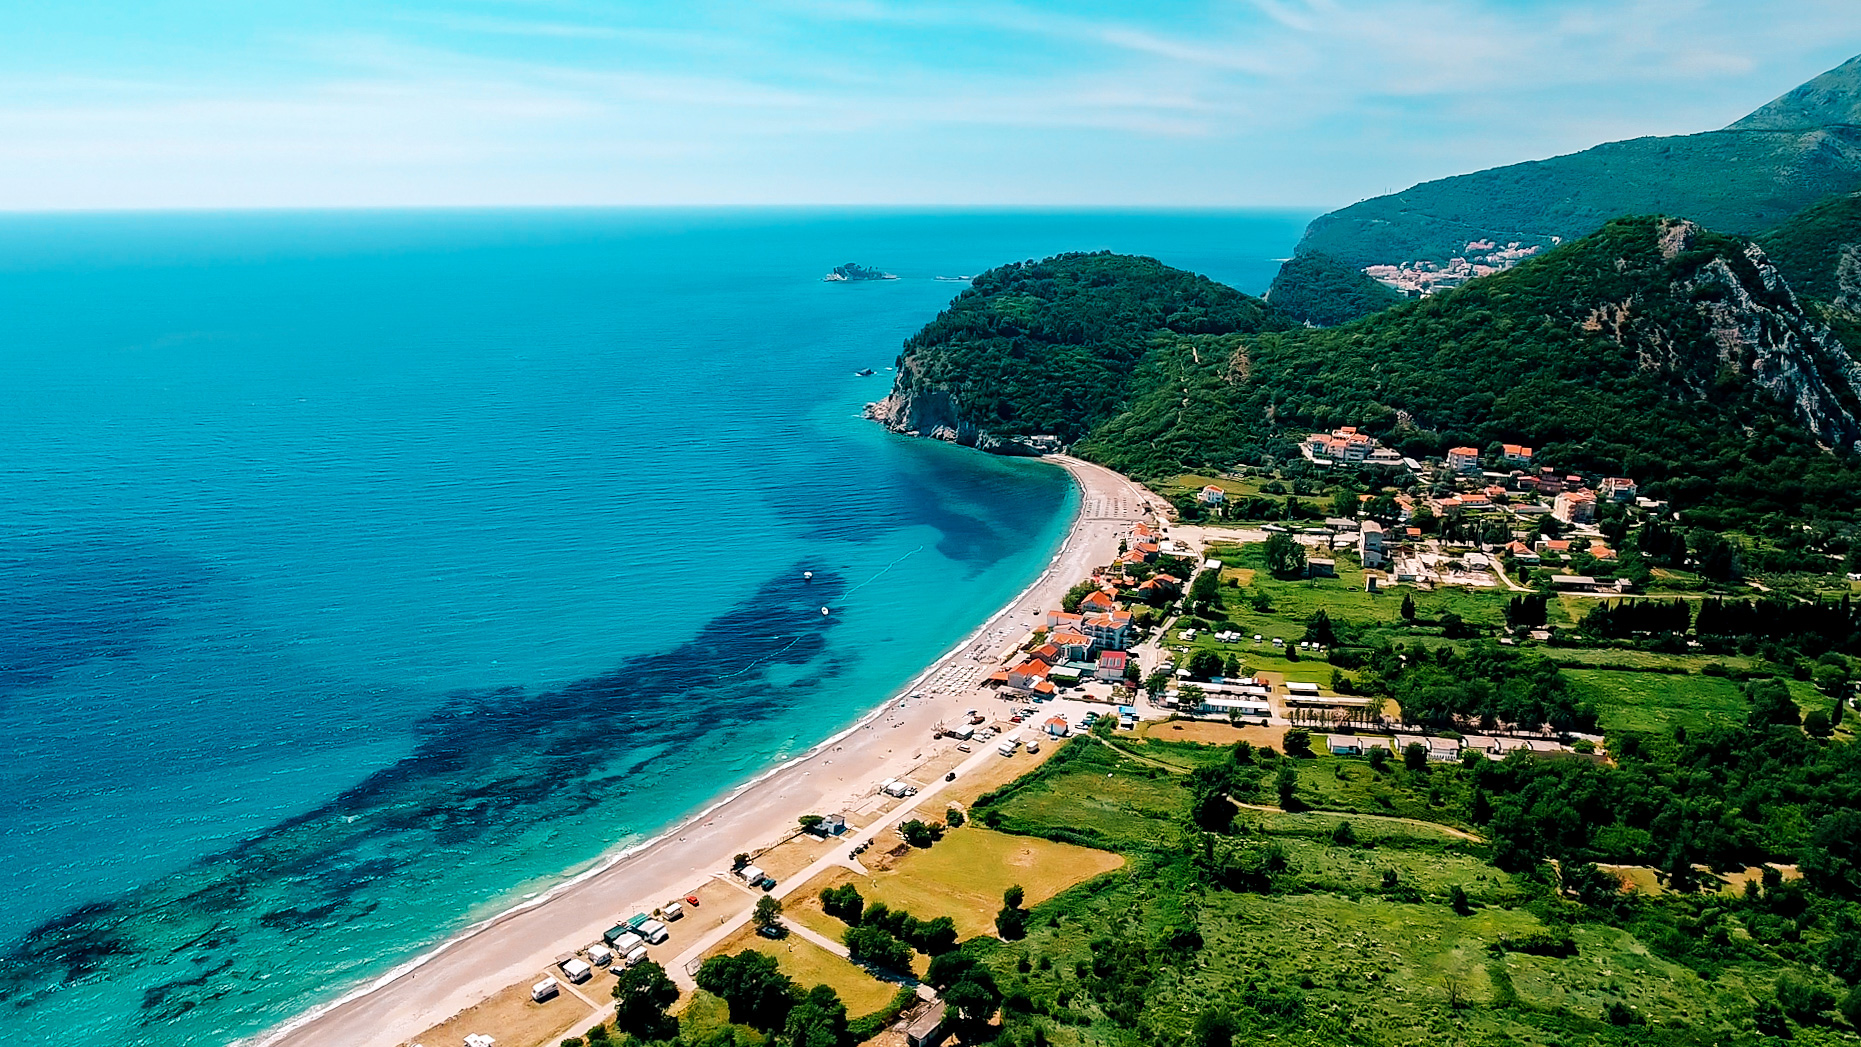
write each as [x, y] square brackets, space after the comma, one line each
[1370, 544]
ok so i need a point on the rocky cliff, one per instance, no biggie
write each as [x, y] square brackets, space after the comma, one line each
[912, 410]
[1747, 322]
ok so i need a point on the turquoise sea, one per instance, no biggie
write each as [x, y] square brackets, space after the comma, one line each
[362, 573]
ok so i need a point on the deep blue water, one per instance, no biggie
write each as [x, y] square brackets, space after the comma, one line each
[354, 565]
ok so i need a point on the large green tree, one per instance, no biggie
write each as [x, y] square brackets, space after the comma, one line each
[642, 993]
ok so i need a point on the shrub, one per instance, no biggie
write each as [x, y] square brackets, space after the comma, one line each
[843, 902]
[1297, 742]
[877, 947]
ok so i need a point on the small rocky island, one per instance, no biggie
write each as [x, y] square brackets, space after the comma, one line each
[852, 271]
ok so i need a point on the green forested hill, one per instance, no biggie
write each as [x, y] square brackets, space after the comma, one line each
[1050, 347]
[1652, 349]
[1318, 289]
[1818, 249]
[1745, 178]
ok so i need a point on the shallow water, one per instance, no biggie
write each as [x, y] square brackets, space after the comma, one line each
[361, 573]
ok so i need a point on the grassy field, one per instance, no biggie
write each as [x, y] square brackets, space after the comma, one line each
[1657, 702]
[1580, 656]
[1293, 602]
[963, 877]
[1336, 952]
[809, 965]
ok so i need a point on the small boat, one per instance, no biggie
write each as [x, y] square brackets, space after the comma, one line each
[824, 610]
[864, 372]
[807, 576]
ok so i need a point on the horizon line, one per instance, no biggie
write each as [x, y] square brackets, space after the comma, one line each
[688, 207]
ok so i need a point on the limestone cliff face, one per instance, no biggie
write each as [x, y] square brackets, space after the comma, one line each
[1747, 322]
[915, 409]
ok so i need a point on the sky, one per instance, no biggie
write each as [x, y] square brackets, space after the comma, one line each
[1268, 103]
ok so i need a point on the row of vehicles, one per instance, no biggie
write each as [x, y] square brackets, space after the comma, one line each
[623, 945]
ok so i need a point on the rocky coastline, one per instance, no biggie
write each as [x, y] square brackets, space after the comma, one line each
[933, 414]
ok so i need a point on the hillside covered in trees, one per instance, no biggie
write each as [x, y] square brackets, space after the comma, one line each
[1652, 349]
[1051, 347]
[1742, 179]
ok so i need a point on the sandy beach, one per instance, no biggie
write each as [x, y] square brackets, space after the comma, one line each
[835, 776]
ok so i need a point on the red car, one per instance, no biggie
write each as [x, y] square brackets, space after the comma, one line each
[691, 900]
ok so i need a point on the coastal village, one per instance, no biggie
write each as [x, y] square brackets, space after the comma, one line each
[1128, 653]
[1479, 258]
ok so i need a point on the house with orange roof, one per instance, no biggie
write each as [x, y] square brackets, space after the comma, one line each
[1160, 585]
[1464, 460]
[1142, 552]
[1515, 454]
[1031, 676]
[1058, 620]
[1344, 444]
[1212, 495]
[1601, 551]
[1521, 552]
[1575, 507]
[1072, 646]
[1108, 631]
[1097, 603]
[1555, 546]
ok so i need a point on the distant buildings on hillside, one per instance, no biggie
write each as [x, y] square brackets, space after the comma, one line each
[1420, 279]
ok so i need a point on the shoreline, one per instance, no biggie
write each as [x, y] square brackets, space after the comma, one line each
[396, 1005]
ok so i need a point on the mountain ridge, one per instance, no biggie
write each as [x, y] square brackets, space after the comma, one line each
[1801, 147]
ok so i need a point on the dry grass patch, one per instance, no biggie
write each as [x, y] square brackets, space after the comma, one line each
[514, 1020]
[1639, 878]
[964, 875]
[1209, 732]
[998, 771]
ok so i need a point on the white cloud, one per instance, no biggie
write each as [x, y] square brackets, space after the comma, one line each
[1245, 101]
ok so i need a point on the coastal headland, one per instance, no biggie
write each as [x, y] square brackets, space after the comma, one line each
[511, 947]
